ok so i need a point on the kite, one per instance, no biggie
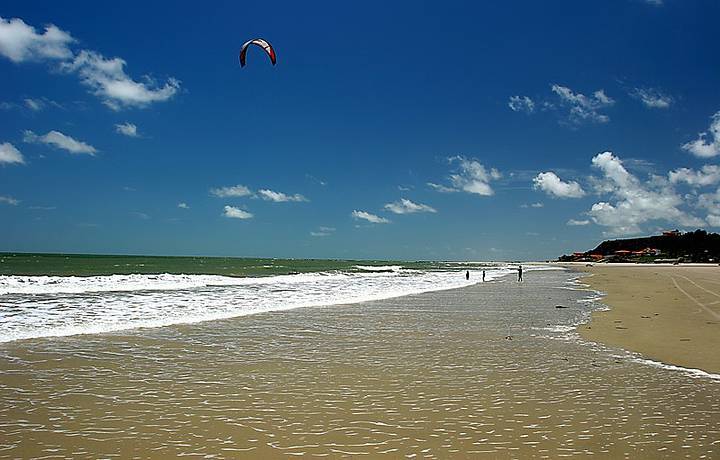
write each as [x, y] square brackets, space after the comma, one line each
[262, 44]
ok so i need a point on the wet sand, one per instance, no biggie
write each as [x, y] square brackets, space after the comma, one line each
[488, 371]
[667, 313]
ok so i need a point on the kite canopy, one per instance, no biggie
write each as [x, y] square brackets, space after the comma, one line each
[262, 44]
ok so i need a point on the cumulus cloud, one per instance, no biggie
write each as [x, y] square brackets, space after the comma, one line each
[471, 177]
[707, 144]
[369, 217]
[521, 104]
[551, 184]
[107, 79]
[652, 98]
[9, 200]
[633, 202]
[21, 42]
[574, 222]
[441, 188]
[710, 203]
[10, 155]
[61, 141]
[183, 206]
[707, 175]
[280, 197]
[323, 231]
[233, 191]
[126, 129]
[236, 213]
[405, 206]
[584, 108]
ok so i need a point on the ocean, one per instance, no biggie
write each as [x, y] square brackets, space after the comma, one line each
[45, 295]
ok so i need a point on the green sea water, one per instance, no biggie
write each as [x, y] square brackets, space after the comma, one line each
[96, 265]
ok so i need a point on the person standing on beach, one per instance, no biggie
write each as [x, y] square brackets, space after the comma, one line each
[467, 275]
[519, 273]
[483, 276]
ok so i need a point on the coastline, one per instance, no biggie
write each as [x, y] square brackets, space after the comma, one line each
[483, 371]
[666, 313]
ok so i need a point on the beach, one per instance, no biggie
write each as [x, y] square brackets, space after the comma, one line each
[666, 313]
[486, 370]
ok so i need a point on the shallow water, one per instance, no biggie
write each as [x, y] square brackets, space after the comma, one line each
[491, 370]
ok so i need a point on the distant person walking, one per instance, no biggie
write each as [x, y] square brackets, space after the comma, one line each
[467, 275]
[483, 276]
[519, 273]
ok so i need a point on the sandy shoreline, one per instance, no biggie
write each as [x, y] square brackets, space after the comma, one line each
[484, 371]
[669, 314]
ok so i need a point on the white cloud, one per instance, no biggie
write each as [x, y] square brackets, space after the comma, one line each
[652, 98]
[369, 217]
[323, 231]
[441, 188]
[532, 205]
[126, 129]
[35, 105]
[708, 143]
[634, 202]
[9, 200]
[233, 191]
[183, 206]
[584, 108]
[521, 104]
[551, 184]
[61, 141]
[405, 206]
[574, 222]
[10, 155]
[280, 197]
[709, 200]
[20, 42]
[708, 175]
[107, 79]
[472, 177]
[236, 213]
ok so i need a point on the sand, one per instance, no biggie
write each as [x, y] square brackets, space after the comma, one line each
[666, 313]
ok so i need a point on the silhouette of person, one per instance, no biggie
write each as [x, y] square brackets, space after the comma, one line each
[520, 273]
[467, 275]
[483, 276]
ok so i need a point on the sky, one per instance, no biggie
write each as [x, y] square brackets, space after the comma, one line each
[411, 130]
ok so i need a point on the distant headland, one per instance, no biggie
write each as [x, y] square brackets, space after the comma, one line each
[669, 247]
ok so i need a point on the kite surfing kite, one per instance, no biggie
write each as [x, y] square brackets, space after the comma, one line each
[258, 42]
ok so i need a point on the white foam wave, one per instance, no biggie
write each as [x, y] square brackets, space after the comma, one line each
[162, 282]
[32, 307]
[379, 268]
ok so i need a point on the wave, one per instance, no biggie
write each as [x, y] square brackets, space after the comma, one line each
[44, 306]
[379, 268]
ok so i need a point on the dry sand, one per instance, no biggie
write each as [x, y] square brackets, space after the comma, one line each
[667, 313]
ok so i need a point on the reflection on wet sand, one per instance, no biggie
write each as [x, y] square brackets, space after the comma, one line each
[426, 376]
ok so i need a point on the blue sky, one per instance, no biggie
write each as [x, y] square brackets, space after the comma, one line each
[514, 131]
